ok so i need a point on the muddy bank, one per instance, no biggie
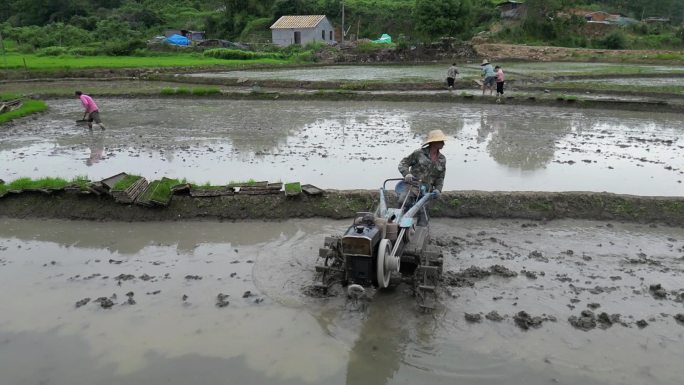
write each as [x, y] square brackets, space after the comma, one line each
[549, 53]
[345, 204]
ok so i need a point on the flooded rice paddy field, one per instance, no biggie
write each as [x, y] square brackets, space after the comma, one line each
[214, 303]
[631, 81]
[352, 144]
[437, 71]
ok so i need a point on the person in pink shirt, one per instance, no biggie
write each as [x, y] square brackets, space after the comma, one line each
[91, 110]
[499, 82]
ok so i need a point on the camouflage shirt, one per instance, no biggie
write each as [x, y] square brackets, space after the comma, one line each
[422, 167]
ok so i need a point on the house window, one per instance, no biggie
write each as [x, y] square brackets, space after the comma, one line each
[323, 34]
[331, 35]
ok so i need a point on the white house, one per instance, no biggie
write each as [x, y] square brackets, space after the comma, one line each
[302, 30]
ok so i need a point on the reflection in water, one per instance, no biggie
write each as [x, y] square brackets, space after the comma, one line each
[376, 356]
[96, 146]
[520, 143]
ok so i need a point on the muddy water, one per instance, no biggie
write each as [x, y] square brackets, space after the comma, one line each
[352, 144]
[175, 333]
[436, 71]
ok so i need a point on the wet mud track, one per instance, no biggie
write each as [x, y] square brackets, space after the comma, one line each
[526, 302]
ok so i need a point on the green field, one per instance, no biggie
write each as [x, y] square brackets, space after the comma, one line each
[16, 61]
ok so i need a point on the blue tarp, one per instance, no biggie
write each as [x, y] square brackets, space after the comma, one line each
[177, 40]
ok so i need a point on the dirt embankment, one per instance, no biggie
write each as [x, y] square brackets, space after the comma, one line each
[345, 204]
[547, 53]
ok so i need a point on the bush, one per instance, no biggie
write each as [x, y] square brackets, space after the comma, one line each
[84, 51]
[122, 48]
[614, 40]
[236, 54]
[51, 51]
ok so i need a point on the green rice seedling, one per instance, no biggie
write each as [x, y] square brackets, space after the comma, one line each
[294, 188]
[126, 182]
[29, 107]
[160, 190]
[183, 91]
[43, 183]
[81, 181]
[205, 91]
[167, 91]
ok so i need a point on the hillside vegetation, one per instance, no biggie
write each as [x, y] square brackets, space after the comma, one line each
[122, 27]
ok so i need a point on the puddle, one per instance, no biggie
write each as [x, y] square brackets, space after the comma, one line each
[278, 336]
[352, 144]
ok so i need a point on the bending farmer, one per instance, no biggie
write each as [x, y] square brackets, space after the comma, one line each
[427, 164]
[91, 110]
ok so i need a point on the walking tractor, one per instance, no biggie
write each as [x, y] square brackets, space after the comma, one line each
[387, 241]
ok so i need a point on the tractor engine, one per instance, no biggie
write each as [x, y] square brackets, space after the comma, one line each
[359, 247]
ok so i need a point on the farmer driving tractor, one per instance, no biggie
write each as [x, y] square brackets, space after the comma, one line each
[426, 165]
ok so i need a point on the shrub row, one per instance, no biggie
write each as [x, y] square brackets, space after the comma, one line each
[113, 48]
[236, 54]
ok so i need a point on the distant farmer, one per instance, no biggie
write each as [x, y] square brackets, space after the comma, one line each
[451, 76]
[428, 165]
[489, 77]
[499, 83]
[91, 110]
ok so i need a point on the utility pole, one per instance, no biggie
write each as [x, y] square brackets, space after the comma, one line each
[343, 21]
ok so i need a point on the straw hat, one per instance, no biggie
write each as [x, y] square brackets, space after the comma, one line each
[484, 62]
[435, 136]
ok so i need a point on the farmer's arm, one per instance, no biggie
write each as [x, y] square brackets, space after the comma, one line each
[406, 163]
[439, 180]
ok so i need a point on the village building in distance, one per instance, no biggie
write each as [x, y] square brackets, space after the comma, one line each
[302, 30]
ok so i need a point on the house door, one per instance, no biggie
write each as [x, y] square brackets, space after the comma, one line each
[298, 37]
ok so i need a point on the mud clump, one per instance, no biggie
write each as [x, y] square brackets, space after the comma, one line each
[641, 323]
[680, 318]
[502, 271]
[105, 302]
[466, 278]
[456, 279]
[593, 305]
[130, 300]
[657, 291]
[82, 302]
[530, 274]
[193, 277]
[494, 316]
[586, 321]
[124, 277]
[537, 255]
[526, 321]
[145, 277]
[222, 300]
[473, 317]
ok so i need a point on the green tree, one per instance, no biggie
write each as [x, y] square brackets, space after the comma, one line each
[435, 18]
